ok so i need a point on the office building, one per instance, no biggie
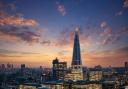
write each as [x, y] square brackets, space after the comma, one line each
[59, 69]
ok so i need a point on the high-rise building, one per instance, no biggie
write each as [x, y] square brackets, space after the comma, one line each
[8, 66]
[22, 66]
[59, 69]
[23, 69]
[76, 65]
[46, 75]
[126, 66]
[2, 66]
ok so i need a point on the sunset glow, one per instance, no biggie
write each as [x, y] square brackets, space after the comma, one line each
[36, 32]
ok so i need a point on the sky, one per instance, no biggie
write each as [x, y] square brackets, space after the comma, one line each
[35, 32]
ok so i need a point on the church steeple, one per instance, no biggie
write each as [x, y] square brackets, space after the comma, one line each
[76, 59]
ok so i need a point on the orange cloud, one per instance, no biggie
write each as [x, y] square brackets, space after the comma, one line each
[15, 28]
[7, 37]
[17, 21]
[114, 57]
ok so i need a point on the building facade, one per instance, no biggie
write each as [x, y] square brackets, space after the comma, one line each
[76, 65]
[59, 69]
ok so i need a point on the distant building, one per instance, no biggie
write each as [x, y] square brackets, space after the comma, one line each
[95, 75]
[98, 67]
[2, 66]
[9, 66]
[12, 66]
[76, 66]
[46, 75]
[85, 73]
[111, 83]
[23, 69]
[126, 66]
[22, 66]
[59, 69]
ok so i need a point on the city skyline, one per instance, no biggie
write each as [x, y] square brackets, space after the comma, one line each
[34, 33]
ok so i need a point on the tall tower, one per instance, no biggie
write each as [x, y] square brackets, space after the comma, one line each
[77, 69]
[76, 65]
[76, 59]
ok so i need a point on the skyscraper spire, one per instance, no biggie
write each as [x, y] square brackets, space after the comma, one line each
[76, 69]
[76, 59]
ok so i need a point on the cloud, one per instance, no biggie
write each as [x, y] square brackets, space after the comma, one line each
[5, 51]
[119, 13]
[124, 30]
[15, 28]
[107, 57]
[5, 6]
[63, 53]
[125, 4]
[108, 36]
[106, 41]
[61, 9]
[16, 21]
[107, 30]
[114, 53]
[16, 34]
[5, 55]
[103, 24]
[46, 42]
[122, 50]
[66, 37]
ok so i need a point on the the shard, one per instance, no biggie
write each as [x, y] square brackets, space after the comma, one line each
[76, 59]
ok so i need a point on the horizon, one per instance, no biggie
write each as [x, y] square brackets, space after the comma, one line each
[29, 66]
[35, 33]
